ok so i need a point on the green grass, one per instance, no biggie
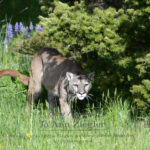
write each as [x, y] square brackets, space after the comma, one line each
[108, 128]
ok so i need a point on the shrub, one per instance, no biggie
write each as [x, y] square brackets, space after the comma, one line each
[113, 43]
[138, 47]
[90, 38]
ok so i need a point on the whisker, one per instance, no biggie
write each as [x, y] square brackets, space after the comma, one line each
[88, 97]
[90, 94]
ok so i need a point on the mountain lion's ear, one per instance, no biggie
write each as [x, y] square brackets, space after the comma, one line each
[91, 75]
[69, 75]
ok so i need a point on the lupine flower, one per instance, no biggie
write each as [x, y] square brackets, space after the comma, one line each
[39, 28]
[9, 32]
[31, 26]
[21, 28]
[20, 25]
[16, 27]
[27, 35]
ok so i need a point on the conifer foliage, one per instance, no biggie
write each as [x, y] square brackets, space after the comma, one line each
[113, 43]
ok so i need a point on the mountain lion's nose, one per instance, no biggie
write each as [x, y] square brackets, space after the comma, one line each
[82, 92]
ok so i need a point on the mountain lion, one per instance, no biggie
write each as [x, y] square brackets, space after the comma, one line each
[62, 77]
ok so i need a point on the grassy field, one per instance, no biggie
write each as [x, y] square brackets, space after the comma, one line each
[109, 128]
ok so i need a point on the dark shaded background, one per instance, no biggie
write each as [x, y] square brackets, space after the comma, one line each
[28, 10]
[19, 11]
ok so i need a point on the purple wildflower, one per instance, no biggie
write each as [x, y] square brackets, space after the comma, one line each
[39, 28]
[9, 32]
[16, 27]
[27, 35]
[31, 26]
[21, 28]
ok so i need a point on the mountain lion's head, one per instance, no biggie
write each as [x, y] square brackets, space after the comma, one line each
[79, 85]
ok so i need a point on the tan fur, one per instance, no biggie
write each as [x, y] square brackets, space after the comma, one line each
[62, 77]
[13, 73]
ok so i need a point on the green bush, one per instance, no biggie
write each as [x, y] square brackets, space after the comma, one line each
[111, 42]
[138, 46]
[90, 38]
[141, 91]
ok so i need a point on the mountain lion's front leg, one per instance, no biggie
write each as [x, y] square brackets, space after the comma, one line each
[65, 109]
[64, 105]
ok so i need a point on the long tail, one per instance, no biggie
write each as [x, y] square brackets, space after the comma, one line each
[13, 73]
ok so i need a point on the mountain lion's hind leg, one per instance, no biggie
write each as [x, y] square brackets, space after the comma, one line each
[34, 92]
[52, 103]
[35, 85]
